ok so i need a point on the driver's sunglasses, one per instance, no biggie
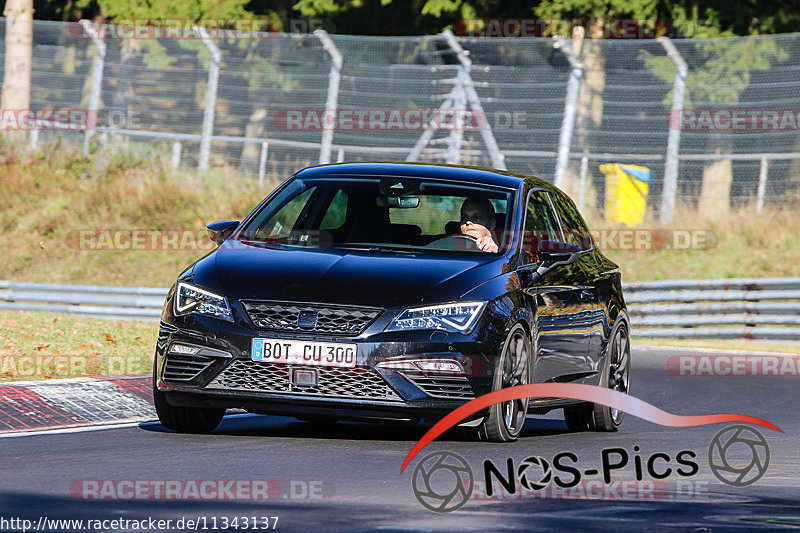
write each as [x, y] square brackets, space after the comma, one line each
[475, 219]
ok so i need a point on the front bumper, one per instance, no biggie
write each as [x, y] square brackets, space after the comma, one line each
[223, 374]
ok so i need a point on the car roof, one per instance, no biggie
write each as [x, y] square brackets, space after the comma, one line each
[427, 170]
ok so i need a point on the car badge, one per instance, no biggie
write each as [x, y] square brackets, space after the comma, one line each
[307, 319]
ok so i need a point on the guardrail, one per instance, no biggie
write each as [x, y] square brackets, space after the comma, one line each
[767, 308]
[138, 303]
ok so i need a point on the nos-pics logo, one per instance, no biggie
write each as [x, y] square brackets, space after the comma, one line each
[443, 481]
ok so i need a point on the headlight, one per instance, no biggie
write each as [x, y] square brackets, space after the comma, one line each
[456, 317]
[191, 299]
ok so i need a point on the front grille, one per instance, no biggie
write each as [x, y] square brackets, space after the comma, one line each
[441, 386]
[246, 375]
[283, 316]
[185, 367]
[164, 331]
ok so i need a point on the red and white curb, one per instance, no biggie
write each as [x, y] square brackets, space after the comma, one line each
[27, 406]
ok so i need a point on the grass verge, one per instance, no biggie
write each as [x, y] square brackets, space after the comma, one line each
[37, 346]
[765, 346]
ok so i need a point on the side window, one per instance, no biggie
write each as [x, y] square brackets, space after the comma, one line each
[337, 212]
[540, 223]
[575, 229]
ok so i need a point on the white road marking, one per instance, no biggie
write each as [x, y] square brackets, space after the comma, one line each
[689, 349]
[101, 427]
[93, 400]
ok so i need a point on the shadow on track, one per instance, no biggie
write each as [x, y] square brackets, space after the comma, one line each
[247, 425]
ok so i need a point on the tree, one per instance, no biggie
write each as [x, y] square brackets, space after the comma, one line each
[262, 60]
[19, 47]
[720, 69]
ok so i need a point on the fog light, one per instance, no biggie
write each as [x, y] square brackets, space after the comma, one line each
[439, 365]
[183, 349]
[447, 366]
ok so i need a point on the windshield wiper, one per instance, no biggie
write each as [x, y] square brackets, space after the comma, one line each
[376, 248]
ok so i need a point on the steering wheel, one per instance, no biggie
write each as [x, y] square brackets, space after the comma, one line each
[469, 241]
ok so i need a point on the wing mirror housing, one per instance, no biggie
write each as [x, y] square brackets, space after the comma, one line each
[558, 252]
[220, 231]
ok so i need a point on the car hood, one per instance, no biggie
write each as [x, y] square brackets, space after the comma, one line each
[342, 276]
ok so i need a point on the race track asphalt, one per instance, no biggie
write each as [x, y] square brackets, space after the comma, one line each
[346, 477]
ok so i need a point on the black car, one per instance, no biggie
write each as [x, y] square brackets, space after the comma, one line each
[390, 291]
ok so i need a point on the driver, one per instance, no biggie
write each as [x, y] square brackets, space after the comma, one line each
[478, 221]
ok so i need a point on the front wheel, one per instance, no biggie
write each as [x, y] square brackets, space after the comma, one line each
[196, 420]
[616, 376]
[505, 420]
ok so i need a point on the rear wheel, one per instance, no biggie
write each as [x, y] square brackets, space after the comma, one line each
[505, 420]
[185, 419]
[616, 376]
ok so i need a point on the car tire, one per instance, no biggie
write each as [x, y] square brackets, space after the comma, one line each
[578, 417]
[616, 375]
[505, 420]
[196, 420]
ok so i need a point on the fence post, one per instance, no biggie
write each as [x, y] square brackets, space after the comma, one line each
[456, 138]
[176, 155]
[582, 186]
[332, 101]
[468, 88]
[97, 82]
[211, 100]
[262, 162]
[570, 104]
[675, 123]
[762, 184]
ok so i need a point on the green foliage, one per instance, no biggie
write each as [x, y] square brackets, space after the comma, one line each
[316, 8]
[558, 9]
[187, 10]
[719, 69]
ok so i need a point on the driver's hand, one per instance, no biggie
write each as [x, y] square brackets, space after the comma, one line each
[487, 244]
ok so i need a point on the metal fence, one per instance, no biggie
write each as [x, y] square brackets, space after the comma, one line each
[534, 106]
[726, 308]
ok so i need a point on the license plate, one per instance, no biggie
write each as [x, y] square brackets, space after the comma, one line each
[304, 352]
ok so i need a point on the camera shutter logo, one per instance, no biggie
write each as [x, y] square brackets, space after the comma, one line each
[526, 473]
[738, 455]
[442, 482]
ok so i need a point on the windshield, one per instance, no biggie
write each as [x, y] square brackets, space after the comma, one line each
[384, 213]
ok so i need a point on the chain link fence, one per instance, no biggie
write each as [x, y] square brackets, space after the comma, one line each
[721, 132]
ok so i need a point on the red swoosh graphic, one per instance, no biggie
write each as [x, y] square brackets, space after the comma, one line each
[575, 391]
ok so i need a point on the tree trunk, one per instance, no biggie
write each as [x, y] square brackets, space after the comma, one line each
[589, 109]
[251, 152]
[19, 47]
[715, 195]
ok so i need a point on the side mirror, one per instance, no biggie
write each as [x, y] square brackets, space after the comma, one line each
[219, 231]
[558, 251]
[558, 247]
